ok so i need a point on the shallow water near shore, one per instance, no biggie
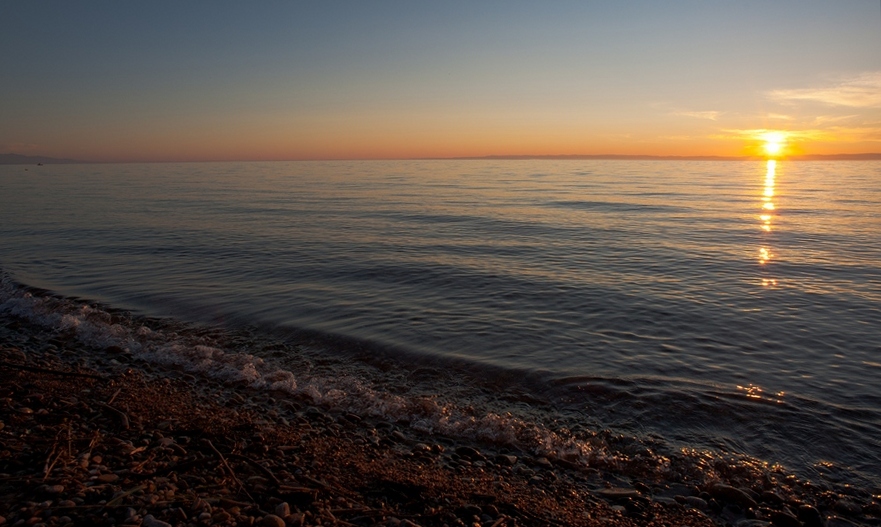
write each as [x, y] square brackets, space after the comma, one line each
[611, 311]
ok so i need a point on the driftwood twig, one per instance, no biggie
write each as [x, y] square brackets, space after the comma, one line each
[123, 417]
[232, 473]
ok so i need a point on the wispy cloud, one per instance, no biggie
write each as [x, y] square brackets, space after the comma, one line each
[822, 120]
[862, 91]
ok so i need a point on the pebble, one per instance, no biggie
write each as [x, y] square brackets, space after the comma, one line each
[282, 509]
[469, 453]
[53, 489]
[420, 448]
[618, 493]
[151, 521]
[697, 503]
[542, 462]
[271, 520]
[810, 516]
[506, 460]
[733, 495]
[108, 478]
[771, 497]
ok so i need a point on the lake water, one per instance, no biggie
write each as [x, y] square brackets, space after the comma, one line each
[601, 310]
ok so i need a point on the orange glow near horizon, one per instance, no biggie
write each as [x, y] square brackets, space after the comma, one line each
[396, 139]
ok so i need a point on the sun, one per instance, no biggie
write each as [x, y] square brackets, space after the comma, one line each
[774, 143]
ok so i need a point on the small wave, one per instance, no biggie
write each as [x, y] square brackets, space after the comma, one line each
[197, 352]
[612, 206]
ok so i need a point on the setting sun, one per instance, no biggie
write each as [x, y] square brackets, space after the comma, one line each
[774, 143]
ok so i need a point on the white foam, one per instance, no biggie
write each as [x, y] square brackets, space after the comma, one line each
[94, 327]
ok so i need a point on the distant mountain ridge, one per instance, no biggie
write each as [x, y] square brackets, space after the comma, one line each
[638, 157]
[18, 159]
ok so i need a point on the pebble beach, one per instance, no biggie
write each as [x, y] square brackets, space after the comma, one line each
[93, 436]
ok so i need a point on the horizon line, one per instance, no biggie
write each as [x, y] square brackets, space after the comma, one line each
[21, 159]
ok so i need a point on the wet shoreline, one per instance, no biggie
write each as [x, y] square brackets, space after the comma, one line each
[123, 439]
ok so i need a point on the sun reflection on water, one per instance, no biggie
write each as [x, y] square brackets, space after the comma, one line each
[766, 216]
[756, 392]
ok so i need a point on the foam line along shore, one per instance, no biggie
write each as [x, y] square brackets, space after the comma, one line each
[94, 431]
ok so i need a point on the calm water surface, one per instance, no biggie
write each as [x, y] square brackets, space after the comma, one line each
[726, 306]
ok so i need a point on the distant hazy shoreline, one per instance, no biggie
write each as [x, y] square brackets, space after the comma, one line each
[18, 159]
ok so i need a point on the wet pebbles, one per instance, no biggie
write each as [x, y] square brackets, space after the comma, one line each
[90, 437]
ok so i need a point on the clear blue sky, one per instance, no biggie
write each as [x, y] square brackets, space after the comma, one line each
[292, 80]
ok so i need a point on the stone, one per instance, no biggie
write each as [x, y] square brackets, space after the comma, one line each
[421, 448]
[294, 519]
[771, 497]
[542, 462]
[506, 460]
[733, 495]
[618, 493]
[271, 520]
[282, 509]
[151, 521]
[53, 490]
[108, 478]
[697, 503]
[469, 453]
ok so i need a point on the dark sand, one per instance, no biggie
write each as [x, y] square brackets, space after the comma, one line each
[124, 444]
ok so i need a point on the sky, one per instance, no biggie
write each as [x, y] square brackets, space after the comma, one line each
[198, 81]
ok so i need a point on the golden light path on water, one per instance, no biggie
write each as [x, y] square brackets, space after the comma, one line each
[767, 214]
